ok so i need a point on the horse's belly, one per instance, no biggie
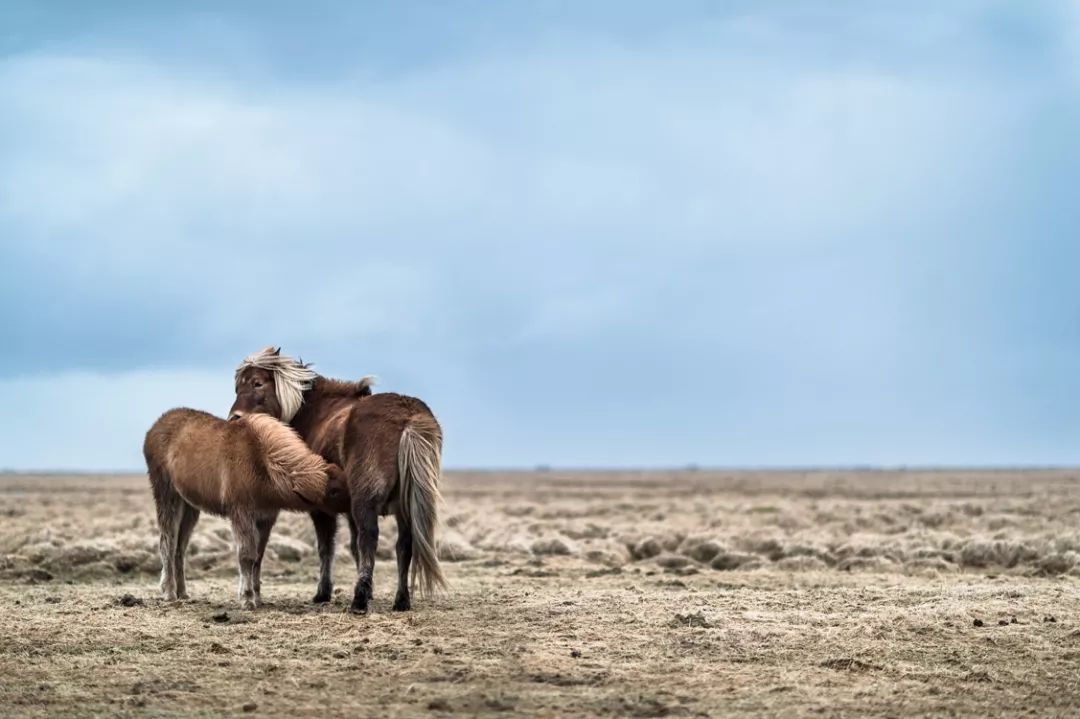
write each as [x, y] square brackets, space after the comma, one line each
[200, 486]
[206, 501]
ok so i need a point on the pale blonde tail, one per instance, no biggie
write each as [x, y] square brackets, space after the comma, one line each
[419, 463]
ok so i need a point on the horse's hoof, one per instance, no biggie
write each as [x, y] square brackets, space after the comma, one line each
[168, 596]
[183, 595]
[321, 598]
[248, 604]
[402, 605]
[358, 609]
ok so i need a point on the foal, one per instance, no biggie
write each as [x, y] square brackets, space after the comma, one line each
[247, 471]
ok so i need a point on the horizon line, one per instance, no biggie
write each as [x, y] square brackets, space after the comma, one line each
[543, 468]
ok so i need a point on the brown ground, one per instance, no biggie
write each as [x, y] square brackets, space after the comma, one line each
[660, 594]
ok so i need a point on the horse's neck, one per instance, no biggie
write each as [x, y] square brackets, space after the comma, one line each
[317, 407]
[307, 417]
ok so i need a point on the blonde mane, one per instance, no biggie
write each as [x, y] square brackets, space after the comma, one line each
[291, 465]
[291, 378]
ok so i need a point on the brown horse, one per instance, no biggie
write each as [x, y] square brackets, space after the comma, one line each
[247, 471]
[390, 448]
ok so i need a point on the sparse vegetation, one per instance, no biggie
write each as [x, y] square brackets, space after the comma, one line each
[664, 594]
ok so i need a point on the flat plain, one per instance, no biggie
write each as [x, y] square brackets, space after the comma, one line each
[690, 593]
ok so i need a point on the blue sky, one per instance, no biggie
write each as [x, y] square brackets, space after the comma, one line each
[588, 234]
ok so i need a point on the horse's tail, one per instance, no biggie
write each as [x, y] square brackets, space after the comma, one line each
[419, 462]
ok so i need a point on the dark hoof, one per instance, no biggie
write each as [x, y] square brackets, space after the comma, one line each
[358, 609]
[322, 596]
[402, 604]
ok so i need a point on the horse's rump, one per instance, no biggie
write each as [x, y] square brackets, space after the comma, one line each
[190, 452]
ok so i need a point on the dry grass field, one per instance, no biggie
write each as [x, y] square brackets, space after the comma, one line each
[573, 594]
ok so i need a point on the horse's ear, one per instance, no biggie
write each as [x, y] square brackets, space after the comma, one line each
[276, 352]
[363, 387]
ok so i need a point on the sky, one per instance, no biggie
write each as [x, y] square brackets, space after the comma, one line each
[588, 234]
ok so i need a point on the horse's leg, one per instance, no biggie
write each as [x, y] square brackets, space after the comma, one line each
[402, 602]
[367, 541]
[353, 550]
[170, 509]
[263, 525]
[246, 536]
[187, 524]
[325, 529]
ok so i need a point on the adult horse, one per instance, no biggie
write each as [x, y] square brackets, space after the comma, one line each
[390, 448]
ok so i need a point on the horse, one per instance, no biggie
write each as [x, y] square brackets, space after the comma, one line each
[247, 471]
[390, 449]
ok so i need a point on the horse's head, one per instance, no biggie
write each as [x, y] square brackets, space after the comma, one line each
[256, 391]
[270, 383]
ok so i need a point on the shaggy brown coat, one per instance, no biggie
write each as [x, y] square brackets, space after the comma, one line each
[247, 471]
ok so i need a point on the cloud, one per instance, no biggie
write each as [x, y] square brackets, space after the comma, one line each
[162, 181]
[800, 216]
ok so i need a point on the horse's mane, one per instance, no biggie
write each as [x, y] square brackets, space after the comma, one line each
[291, 465]
[291, 378]
[344, 388]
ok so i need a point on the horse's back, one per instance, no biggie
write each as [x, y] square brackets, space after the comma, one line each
[388, 409]
[377, 421]
[165, 431]
[189, 449]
